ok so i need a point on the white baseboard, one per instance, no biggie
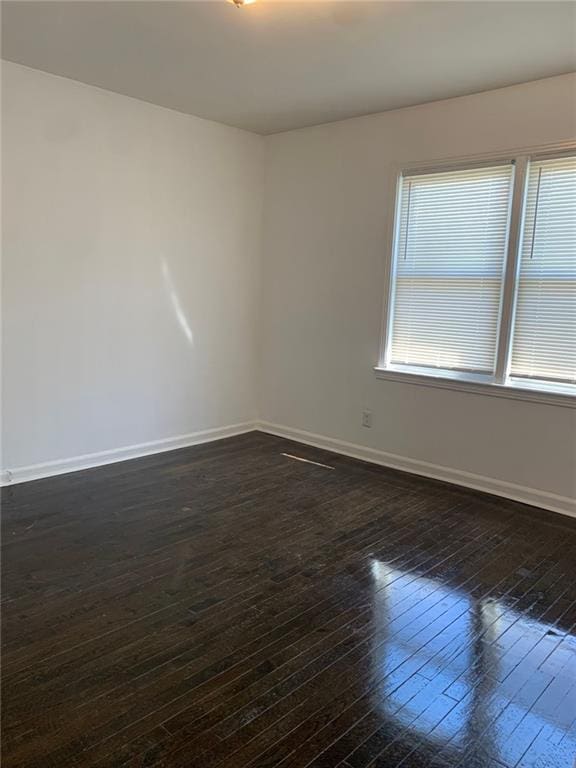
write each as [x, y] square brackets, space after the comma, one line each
[533, 496]
[90, 460]
[563, 504]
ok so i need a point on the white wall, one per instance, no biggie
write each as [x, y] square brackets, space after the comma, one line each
[326, 200]
[131, 265]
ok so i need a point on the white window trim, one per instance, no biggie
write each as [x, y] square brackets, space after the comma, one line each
[499, 385]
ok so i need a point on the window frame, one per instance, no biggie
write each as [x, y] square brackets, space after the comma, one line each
[500, 383]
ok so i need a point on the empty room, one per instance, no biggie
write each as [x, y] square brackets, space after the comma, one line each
[288, 391]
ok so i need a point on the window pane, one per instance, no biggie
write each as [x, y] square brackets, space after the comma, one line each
[544, 341]
[449, 261]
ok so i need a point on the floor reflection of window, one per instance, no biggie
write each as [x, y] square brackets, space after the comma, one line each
[427, 628]
[446, 668]
[528, 700]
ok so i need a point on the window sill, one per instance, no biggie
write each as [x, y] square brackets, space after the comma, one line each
[464, 383]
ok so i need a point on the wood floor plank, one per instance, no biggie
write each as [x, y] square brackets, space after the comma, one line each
[227, 606]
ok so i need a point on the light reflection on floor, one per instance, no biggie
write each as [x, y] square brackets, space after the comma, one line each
[464, 653]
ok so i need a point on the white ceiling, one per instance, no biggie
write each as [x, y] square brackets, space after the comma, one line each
[274, 66]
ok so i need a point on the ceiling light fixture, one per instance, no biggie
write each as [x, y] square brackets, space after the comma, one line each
[241, 3]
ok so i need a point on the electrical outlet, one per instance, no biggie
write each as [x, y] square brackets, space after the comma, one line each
[366, 418]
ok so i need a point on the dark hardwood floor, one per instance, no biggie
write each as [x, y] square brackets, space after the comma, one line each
[227, 605]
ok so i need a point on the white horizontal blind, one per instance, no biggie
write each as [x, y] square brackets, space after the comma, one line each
[544, 340]
[449, 262]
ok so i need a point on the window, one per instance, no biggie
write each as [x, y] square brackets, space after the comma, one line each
[544, 340]
[483, 278]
